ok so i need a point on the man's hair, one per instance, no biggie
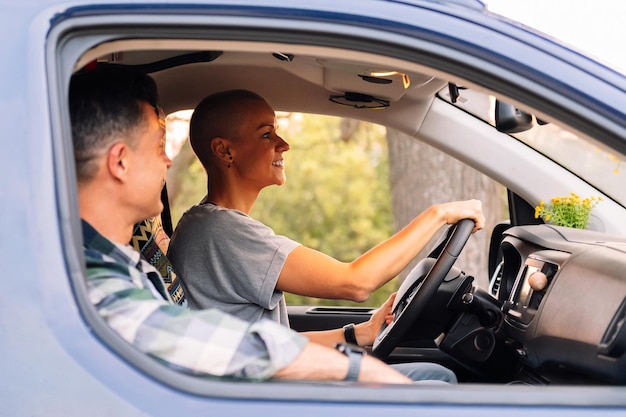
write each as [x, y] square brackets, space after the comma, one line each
[218, 115]
[105, 106]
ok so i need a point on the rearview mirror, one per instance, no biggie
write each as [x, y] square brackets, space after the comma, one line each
[510, 119]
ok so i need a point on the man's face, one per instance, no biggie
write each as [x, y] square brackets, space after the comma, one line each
[149, 165]
[259, 149]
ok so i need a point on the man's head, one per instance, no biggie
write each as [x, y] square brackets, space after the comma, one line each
[119, 139]
[238, 128]
[106, 106]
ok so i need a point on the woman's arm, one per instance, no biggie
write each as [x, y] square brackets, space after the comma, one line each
[314, 274]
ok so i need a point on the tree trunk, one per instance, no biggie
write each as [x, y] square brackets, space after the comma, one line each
[438, 178]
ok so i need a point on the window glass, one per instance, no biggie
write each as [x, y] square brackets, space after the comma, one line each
[600, 168]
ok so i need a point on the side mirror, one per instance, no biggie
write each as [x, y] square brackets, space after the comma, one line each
[510, 119]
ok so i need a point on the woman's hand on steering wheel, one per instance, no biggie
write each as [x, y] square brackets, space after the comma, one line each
[455, 211]
[366, 332]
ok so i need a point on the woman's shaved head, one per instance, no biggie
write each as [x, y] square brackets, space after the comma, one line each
[219, 115]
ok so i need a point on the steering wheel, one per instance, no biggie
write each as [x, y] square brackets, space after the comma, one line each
[411, 301]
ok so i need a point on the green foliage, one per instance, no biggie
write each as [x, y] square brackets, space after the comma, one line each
[336, 198]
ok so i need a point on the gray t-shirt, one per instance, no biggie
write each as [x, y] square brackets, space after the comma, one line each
[227, 260]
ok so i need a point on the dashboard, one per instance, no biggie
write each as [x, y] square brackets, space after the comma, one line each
[563, 300]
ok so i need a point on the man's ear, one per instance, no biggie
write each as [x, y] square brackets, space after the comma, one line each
[117, 161]
[221, 149]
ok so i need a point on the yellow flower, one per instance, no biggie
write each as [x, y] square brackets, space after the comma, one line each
[568, 211]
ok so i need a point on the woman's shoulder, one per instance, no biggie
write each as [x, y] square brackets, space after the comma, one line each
[210, 215]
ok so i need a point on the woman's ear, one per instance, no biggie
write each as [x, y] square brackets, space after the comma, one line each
[117, 161]
[220, 148]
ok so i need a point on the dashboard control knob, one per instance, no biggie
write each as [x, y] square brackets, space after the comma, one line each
[538, 281]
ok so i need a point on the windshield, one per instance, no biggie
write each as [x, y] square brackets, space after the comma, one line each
[598, 167]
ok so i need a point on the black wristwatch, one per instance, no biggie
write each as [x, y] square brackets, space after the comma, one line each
[349, 335]
[355, 355]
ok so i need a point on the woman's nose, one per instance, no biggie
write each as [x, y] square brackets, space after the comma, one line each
[282, 144]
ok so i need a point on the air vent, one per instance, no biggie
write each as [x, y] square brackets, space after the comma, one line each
[496, 280]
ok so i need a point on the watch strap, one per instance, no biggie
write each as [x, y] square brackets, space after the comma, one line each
[355, 355]
[349, 334]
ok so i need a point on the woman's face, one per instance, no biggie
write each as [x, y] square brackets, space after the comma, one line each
[258, 150]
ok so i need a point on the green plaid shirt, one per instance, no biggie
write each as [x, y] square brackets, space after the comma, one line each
[129, 294]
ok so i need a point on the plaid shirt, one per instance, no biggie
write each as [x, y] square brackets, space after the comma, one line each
[129, 294]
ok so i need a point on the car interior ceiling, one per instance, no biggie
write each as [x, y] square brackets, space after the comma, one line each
[315, 78]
